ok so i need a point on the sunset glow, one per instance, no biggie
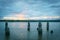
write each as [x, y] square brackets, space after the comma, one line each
[22, 17]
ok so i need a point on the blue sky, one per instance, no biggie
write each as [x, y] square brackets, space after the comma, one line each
[29, 8]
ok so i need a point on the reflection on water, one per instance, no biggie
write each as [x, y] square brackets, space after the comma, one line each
[28, 35]
[19, 31]
[39, 35]
[7, 37]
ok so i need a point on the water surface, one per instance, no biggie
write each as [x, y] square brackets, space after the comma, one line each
[18, 31]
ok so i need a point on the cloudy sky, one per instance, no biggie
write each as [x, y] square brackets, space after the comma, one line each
[29, 9]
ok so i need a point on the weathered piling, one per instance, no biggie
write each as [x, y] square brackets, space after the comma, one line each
[39, 27]
[47, 26]
[28, 26]
[7, 31]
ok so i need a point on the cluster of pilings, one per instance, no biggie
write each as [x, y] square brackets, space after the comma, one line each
[7, 31]
[39, 27]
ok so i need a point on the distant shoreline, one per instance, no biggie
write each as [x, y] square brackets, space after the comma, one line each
[29, 20]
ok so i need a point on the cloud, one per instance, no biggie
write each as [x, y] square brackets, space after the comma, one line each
[10, 7]
[51, 1]
[31, 8]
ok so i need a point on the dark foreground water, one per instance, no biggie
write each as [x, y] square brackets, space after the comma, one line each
[18, 31]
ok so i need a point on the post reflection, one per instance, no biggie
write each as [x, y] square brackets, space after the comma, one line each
[39, 35]
[7, 37]
[47, 35]
[7, 31]
[28, 35]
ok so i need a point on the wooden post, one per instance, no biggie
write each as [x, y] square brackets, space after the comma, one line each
[39, 27]
[7, 31]
[47, 26]
[28, 26]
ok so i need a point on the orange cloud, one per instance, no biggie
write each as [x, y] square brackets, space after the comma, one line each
[16, 17]
[20, 16]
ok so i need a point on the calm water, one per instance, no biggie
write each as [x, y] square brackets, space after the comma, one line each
[18, 31]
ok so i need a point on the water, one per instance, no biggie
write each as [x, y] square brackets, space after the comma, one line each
[18, 31]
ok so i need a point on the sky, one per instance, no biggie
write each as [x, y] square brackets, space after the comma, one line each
[29, 9]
